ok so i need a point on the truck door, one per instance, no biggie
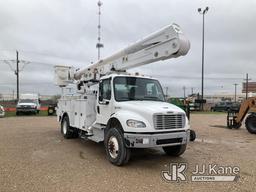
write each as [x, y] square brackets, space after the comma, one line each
[104, 101]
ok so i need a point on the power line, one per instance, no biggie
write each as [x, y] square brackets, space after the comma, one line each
[48, 55]
[194, 77]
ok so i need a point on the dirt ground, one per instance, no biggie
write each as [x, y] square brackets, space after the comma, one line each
[35, 157]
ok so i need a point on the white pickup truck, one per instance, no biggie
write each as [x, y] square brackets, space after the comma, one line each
[28, 103]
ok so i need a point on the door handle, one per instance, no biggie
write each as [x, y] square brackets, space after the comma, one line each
[98, 109]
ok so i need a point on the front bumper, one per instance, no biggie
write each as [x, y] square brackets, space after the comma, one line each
[149, 140]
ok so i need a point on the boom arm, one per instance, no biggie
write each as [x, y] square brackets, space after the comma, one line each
[168, 42]
[245, 107]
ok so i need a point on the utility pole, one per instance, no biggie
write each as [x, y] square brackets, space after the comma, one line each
[235, 90]
[246, 85]
[99, 45]
[17, 71]
[184, 91]
[17, 74]
[166, 91]
[202, 12]
[192, 90]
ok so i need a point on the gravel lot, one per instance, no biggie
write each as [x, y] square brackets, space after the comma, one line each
[35, 157]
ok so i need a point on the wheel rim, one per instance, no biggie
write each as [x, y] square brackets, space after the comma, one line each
[113, 147]
[65, 128]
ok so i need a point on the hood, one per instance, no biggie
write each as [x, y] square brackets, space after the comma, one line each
[150, 107]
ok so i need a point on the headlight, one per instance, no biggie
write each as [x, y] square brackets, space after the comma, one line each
[135, 123]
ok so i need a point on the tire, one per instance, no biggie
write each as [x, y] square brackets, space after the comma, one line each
[17, 113]
[117, 153]
[250, 124]
[50, 111]
[176, 150]
[65, 128]
[192, 135]
[75, 133]
[237, 125]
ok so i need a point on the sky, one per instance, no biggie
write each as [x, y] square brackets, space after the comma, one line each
[52, 32]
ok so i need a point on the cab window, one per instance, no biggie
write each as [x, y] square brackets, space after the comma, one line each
[105, 90]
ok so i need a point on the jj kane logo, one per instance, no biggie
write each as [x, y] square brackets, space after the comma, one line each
[205, 173]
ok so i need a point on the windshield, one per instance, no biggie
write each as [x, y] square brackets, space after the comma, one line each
[27, 101]
[133, 88]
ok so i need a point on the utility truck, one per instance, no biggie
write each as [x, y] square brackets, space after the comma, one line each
[125, 110]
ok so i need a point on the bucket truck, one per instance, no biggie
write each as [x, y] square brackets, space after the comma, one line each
[125, 110]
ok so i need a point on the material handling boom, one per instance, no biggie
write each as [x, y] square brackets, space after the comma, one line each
[168, 42]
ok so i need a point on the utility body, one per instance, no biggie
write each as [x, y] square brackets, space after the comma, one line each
[125, 110]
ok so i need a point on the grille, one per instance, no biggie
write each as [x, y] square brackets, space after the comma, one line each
[27, 106]
[170, 121]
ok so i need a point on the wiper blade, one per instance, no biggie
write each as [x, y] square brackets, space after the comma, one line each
[151, 97]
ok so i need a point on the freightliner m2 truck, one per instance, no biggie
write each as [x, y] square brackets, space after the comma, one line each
[122, 110]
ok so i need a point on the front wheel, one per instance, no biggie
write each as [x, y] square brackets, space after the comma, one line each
[250, 124]
[192, 135]
[176, 150]
[117, 153]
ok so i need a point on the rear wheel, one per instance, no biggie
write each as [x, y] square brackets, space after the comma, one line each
[117, 153]
[65, 128]
[176, 150]
[250, 124]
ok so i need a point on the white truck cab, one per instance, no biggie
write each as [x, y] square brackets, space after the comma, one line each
[139, 105]
[122, 110]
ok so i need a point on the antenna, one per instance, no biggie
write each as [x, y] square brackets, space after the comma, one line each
[99, 44]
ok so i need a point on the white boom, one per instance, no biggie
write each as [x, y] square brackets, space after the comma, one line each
[168, 42]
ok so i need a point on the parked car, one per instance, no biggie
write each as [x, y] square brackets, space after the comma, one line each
[194, 106]
[225, 106]
[235, 107]
[2, 112]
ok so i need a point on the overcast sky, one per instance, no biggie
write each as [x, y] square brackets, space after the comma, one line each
[49, 32]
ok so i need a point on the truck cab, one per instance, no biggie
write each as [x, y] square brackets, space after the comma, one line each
[139, 105]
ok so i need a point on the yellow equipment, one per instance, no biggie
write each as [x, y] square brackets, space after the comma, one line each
[236, 117]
